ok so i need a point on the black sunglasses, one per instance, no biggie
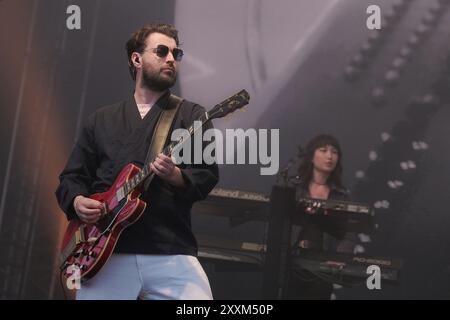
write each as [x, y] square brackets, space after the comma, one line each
[162, 51]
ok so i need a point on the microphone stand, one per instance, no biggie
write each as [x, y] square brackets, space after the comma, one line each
[283, 177]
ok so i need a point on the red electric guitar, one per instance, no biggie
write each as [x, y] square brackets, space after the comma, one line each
[87, 247]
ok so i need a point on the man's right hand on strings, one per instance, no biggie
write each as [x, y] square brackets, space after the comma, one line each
[87, 209]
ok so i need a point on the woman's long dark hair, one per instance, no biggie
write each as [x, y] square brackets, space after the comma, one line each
[305, 169]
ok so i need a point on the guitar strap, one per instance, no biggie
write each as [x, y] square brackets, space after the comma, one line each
[161, 131]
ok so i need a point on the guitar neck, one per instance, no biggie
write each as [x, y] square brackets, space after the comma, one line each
[146, 172]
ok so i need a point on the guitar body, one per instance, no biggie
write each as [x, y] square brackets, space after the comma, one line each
[87, 247]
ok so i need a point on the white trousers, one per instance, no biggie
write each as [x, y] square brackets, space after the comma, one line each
[148, 277]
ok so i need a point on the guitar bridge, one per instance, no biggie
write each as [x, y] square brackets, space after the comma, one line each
[79, 236]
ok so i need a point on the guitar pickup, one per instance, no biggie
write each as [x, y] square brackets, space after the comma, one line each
[120, 194]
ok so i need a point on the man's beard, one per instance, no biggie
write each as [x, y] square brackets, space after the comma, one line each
[157, 82]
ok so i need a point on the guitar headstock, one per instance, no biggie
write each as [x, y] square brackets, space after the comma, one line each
[229, 105]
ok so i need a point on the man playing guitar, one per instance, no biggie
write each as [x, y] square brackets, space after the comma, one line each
[155, 257]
